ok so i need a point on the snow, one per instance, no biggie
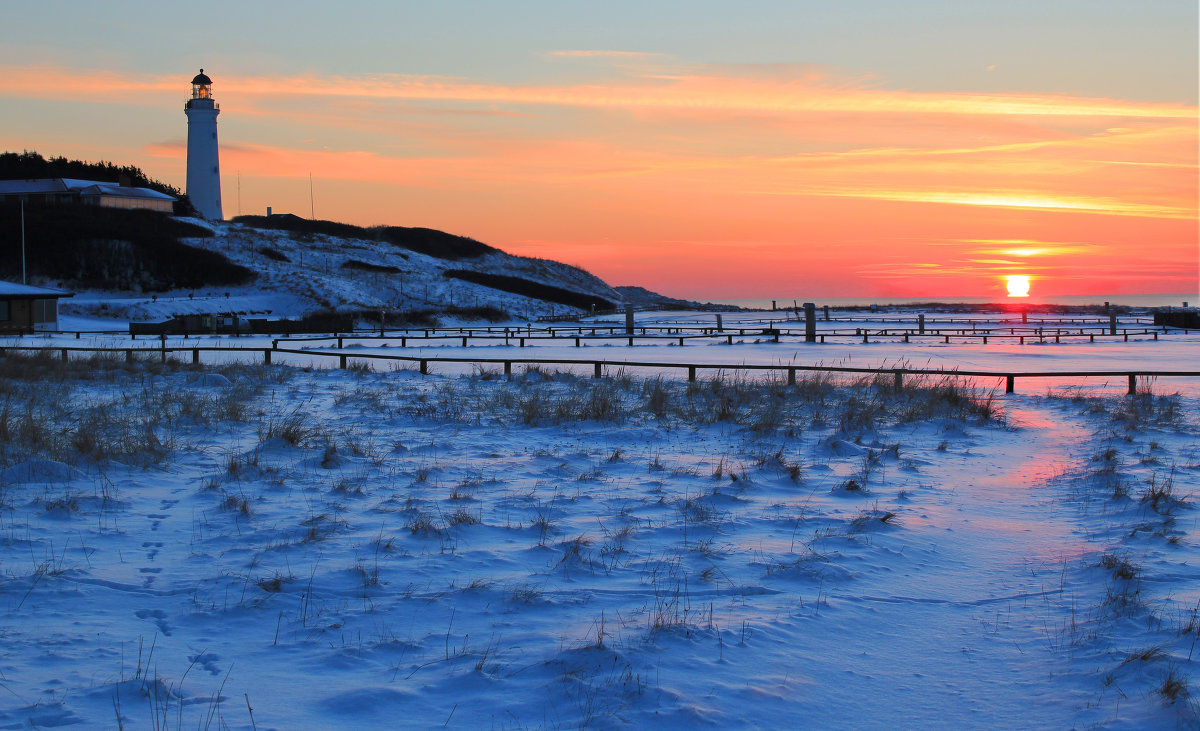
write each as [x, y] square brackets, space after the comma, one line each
[314, 279]
[363, 549]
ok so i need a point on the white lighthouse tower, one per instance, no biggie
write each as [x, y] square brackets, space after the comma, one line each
[203, 169]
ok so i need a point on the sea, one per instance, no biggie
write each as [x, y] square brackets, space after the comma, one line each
[1129, 300]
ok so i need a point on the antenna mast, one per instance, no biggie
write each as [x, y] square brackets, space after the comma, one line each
[312, 209]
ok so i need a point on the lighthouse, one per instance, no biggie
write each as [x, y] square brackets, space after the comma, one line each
[203, 169]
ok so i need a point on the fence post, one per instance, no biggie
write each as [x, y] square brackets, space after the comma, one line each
[195, 356]
[691, 373]
[921, 323]
[508, 369]
[64, 354]
[629, 319]
[810, 322]
[826, 307]
[128, 356]
[342, 362]
[1112, 323]
[791, 376]
[267, 356]
[1132, 384]
[424, 368]
[1009, 385]
[597, 372]
[898, 382]
[720, 325]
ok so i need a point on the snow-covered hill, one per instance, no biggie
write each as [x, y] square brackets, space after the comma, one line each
[300, 273]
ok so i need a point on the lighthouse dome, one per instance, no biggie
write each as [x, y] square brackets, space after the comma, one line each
[201, 78]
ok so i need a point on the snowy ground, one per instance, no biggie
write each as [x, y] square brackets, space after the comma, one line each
[372, 549]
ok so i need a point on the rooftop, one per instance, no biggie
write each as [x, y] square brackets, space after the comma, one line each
[83, 187]
[15, 289]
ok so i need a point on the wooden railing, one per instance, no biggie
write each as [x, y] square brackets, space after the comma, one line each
[599, 367]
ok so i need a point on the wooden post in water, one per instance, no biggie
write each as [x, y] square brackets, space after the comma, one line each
[810, 322]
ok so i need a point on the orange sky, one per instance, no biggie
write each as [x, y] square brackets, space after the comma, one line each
[704, 181]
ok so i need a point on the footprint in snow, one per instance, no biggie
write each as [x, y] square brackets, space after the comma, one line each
[207, 661]
[153, 546]
[159, 617]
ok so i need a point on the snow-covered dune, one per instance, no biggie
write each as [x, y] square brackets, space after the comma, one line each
[302, 273]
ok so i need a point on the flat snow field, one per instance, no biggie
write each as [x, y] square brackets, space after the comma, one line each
[279, 547]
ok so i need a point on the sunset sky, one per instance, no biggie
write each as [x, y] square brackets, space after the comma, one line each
[701, 149]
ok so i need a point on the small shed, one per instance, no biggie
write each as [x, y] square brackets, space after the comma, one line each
[24, 308]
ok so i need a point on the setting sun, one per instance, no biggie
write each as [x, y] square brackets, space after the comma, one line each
[1018, 285]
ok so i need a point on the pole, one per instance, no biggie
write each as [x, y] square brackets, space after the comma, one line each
[23, 241]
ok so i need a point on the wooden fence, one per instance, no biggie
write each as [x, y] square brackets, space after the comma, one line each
[599, 366]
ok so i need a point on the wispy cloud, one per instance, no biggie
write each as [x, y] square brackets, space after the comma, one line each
[686, 89]
[619, 55]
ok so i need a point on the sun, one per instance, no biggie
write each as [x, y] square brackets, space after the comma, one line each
[1018, 285]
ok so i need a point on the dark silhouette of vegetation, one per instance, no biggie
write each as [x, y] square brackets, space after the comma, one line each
[274, 254]
[428, 241]
[29, 165]
[432, 242]
[328, 321]
[536, 290]
[363, 266]
[111, 248]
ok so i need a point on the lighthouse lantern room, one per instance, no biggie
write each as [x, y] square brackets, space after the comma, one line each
[203, 167]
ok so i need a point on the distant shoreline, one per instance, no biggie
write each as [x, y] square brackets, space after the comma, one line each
[1031, 303]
